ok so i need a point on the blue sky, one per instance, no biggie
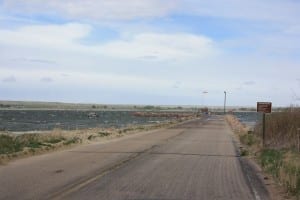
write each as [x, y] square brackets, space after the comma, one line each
[151, 51]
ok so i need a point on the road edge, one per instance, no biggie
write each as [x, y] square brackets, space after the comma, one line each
[252, 171]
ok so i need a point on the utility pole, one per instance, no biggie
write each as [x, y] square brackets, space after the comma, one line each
[224, 102]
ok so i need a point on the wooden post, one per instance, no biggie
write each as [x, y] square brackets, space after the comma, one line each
[298, 138]
[264, 107]
[264, 130]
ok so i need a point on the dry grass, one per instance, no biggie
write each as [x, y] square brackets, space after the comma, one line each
[236, 125]
[14, 146]
[284, 166]
[280, 157]
[290, 172]
[252, 143]
[281, 130]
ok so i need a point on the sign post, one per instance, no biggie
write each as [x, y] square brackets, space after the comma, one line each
[264, 129]
[225, 102]
[298, 138]
[264, 107]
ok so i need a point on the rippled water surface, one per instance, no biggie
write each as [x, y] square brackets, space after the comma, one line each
[249, 118]
[31, 120]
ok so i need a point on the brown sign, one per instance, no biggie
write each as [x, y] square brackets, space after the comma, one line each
[265, 107]
[204, 110]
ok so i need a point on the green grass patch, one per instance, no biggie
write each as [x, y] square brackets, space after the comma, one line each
[248, 139]
[271, 160]
[8, 144]
[28, 140]
[12, 144]
[55, 140]
[284, 166]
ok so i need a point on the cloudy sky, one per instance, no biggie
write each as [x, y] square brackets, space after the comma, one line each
[151, 51]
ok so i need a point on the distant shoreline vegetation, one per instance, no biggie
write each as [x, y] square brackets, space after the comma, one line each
[86, 106]
[38, 105]
[4, 106]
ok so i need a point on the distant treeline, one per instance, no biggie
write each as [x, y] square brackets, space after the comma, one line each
[4, 106]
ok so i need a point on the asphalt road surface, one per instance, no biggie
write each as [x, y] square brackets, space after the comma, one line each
[195, 160]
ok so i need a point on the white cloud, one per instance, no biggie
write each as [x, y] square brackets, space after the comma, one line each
[154, 46]
[274, 10]
[46, 79]
[9, 79]
[270, 10]
[249, 83]
[58, 36]
[87, 80]
[293, 30]
[91, 9]
[34, 60]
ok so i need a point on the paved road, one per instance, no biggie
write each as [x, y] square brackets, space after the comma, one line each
[195, 160]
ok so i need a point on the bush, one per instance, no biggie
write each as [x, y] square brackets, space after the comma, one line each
[91, 137]
[72, 141]
[244, 152]
[29, 140]
[248, 139]
[11, 144]
[149, 107]
[55, 140]
[8, 144]
[102, 134]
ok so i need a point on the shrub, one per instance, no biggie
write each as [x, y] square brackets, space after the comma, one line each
[248, 139]
[55, 140]
[29, 140]
[102, 134]
[91, 137]
[72, 141]
[8, 144]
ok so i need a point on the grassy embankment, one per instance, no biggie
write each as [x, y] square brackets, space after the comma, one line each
[14, 146]
[280, 157]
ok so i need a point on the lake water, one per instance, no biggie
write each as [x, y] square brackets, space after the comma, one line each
[249, 118]
[38, 120]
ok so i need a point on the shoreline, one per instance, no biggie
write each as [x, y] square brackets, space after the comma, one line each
[35, 121]
[43, 142]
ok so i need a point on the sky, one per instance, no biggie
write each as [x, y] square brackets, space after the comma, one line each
[162, 52]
